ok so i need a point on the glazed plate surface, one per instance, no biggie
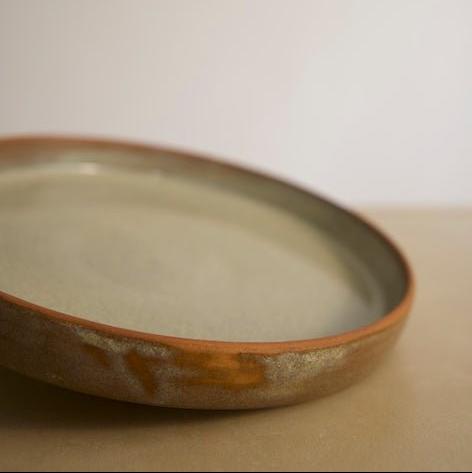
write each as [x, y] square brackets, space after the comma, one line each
[152, 276]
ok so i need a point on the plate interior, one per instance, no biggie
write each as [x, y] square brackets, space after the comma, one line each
[155, 251]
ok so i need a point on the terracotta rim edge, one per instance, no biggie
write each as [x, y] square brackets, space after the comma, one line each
[397, 315]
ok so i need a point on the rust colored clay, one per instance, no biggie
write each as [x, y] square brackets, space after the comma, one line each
[98, 359]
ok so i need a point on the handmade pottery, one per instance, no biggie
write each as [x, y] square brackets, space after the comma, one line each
[159, 277]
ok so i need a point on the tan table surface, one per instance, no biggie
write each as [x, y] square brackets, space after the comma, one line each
[414, 412]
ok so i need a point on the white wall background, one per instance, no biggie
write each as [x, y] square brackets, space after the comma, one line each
[368, 101]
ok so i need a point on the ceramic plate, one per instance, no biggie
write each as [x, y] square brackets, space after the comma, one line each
[153, 276]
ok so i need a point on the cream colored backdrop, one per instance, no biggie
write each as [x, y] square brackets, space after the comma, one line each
[368, 101]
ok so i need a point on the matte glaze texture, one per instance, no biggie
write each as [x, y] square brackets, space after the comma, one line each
[153, 369]
[132, 240]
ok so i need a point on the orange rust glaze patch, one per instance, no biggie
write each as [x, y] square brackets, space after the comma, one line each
[139, 365]
[98, 354]
[230, 371]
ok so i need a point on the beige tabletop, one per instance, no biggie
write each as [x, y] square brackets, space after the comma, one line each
[414, 412]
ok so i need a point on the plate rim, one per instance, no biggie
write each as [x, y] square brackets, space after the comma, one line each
[395, 316]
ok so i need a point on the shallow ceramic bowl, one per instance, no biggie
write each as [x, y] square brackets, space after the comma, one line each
[153, 276]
